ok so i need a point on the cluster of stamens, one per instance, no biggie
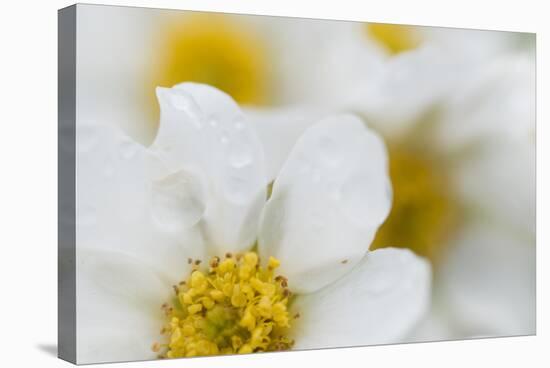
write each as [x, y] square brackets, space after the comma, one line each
[231, 306]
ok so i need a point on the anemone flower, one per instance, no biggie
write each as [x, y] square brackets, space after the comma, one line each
[182, 252]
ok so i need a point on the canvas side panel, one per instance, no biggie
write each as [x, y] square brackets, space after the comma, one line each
[66, 184]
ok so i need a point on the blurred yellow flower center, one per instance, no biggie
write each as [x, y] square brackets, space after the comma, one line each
[424, 211]
[394, 38]
[217, 50]
[235, 306]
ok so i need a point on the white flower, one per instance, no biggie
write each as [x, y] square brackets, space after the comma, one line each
[200, 190]
[481, 139]
[137, 49]
[487, 281]
[330, 63]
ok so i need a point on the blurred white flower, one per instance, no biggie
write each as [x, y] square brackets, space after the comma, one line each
[391, 73]
[138, 49]
[113, 61]
[453, 171]
[270, 61]
[200, 190]
[487, 281]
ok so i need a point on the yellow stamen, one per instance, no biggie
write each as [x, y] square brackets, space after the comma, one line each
[236, 306]
[394, 38]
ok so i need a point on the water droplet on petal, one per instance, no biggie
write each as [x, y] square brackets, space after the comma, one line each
[240, 157]
[188, 106]
[239, 152]
[178, 201]
[179, 101]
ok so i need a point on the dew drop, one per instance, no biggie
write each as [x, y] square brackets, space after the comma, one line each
[188, 106]
[179, 102]
[240, 158]
[178, 201]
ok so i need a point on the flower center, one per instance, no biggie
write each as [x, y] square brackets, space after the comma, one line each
[394, 38]
[235, 306]
[424, 212]
[215, 50]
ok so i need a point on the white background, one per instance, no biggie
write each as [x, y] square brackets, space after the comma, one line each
[28, 181]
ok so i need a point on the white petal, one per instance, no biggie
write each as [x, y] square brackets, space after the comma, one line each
[279, 129]
[494, 104]
[412, 83]
[491, 117]
[327, 202]
[128, 201]
[202, 129]
[118, 303]
[327, 63]
[408, 86]
[377, 303]
[499, 181]
[488, 281]
[115, 62]
[436, 324]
